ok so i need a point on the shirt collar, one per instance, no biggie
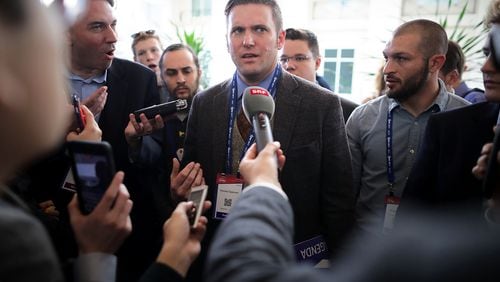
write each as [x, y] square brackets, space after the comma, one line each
[242, 85]
[94, 79]
[440, 101]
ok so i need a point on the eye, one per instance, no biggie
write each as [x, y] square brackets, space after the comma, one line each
[141, 52]
[260, 29]
[301, 58]
[96, 27]
[171, 72]
[237, 30]
[284, 60]
[187, 70]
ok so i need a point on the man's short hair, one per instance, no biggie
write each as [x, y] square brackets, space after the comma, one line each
[433, 37]
[455, 59]
[275, 8]
[144, 35]
[304, 35]
[176, 47]
[493, 14]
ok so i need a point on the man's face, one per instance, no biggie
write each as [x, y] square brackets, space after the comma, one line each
[180, 74]
[148, 52]
[491, 75]
[406, 70]
[93, 39]
[298, 59]
[253, 41]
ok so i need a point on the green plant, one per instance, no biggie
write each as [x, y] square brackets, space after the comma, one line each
[470, 39]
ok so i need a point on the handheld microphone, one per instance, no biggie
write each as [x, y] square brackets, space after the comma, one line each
[163, 110]
[258, 106]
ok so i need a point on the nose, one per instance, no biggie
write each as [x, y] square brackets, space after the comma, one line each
[388, 67]
[149, 55]
[180, 78]
[248, 40]
[111, 37]
[488, 66]
[289, 66]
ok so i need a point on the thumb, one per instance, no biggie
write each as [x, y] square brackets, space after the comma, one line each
[175, 168]
[108, 199]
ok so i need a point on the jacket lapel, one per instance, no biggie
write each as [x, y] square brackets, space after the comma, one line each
[288, 101]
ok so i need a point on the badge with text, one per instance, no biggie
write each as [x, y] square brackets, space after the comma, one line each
[229, 189]
[391, 207]
[313, 250]
[69, 182]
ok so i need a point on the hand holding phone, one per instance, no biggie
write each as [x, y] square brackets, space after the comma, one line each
[79, 114]
[93, 169]
[197, 196]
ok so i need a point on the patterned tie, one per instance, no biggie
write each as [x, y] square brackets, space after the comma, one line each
[244, 127]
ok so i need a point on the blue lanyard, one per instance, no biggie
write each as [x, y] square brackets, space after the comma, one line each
[388, 152]
[233, 100]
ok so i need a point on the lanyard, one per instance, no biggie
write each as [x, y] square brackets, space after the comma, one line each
[388, 152]
[233, 105]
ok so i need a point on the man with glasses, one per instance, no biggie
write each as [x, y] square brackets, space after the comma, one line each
[147, 48]
[301, 57]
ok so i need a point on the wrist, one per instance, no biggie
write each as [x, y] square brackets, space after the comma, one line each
[175, 259]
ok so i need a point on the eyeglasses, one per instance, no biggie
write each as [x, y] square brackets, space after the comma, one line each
[147, 32]
[297, 58]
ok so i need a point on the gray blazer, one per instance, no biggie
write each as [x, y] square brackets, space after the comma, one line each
[308, 122]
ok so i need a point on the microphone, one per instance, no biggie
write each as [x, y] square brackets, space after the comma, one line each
[258, 106]
[163, 110]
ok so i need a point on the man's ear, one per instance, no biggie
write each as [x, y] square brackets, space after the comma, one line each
[317, 63]
[281, 39]
[436, 62]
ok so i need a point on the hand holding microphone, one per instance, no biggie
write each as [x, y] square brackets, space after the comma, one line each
[258, 106]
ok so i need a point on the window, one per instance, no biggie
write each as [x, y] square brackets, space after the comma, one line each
[339, 64]
[201, 8]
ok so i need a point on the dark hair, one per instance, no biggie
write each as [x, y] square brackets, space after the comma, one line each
[433, 37]
[455, 59]
[304, 35]
[276, 11]
[179, 46]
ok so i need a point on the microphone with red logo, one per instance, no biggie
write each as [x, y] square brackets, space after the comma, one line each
[258, 106]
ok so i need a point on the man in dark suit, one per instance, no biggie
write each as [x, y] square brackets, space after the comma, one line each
[452, 144]
[301, 57]
[113, 89]
[253, 243]
[317, 178]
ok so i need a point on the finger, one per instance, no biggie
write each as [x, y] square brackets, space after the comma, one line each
[73, 208]
[109, 197]
[175, 168]
[199, 178]
[206, 205]
[145, 124]
[46, 204]
[270, 149]
[251, 152]
[487, 148]
[88, 114]
[134, 122]
[120, 203]
[158, 122]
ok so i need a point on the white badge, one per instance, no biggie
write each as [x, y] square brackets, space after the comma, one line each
[390, 216]
[227, 196]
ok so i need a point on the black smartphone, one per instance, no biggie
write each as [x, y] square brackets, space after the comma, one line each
[93, 169]
[491, 178]
[79, 115]
[163, 110]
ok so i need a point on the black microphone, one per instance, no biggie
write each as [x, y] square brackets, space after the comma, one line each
[258, 106]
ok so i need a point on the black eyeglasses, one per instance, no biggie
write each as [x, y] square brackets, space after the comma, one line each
[147, 32]
[297, 58]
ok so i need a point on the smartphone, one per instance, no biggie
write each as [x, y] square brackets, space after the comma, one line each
[79, 115]
[197, 195]
[163, 110]
[93, 170]
[491, 178]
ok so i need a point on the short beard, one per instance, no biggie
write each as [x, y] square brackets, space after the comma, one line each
[413, 85]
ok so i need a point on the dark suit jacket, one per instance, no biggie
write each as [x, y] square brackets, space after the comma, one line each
[347, 105]
[317, 175]
[253, 244]
[452, 144]
[132, 86]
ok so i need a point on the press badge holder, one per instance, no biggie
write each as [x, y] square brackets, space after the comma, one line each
[391, 207]
[228, 192]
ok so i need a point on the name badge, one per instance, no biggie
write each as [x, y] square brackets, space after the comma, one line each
[229, 189]
[391, 207]
[313, 250]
